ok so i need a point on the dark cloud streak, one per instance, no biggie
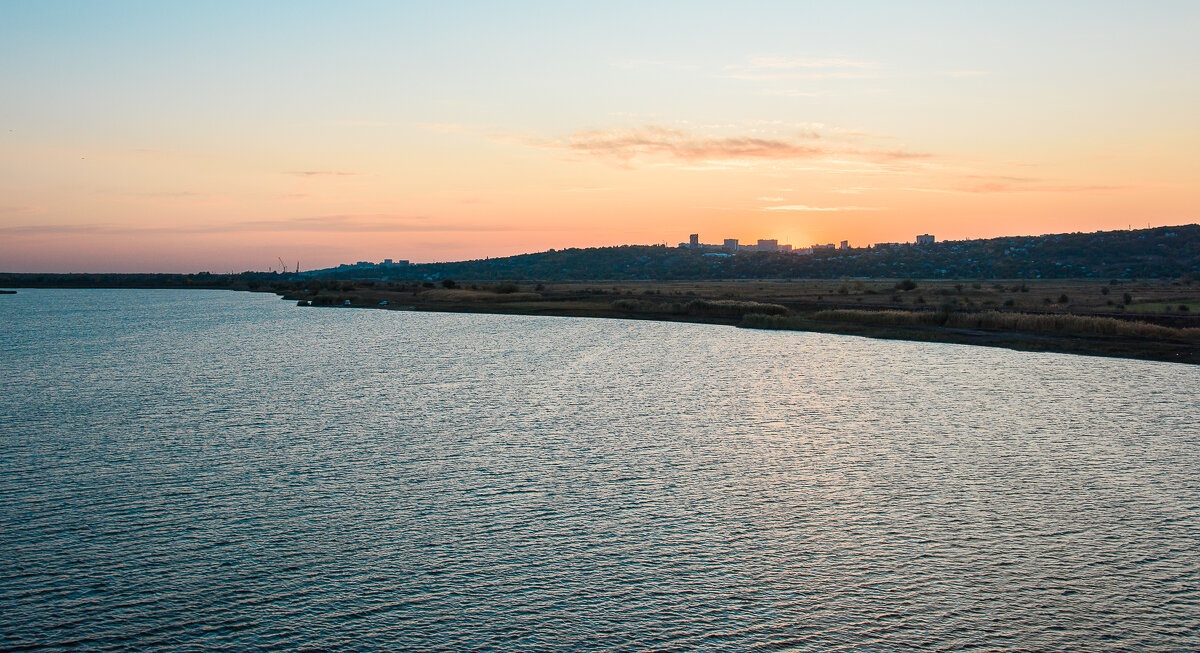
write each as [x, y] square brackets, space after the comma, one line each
[363, 223]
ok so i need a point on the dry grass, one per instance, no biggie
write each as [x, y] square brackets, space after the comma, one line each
[1069, 324]
[733, 307]
[888, 318]
[718, 307]
[462, 295]
[1057, 324]
[1017, 295]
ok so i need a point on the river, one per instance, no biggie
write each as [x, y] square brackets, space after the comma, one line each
[209, 469]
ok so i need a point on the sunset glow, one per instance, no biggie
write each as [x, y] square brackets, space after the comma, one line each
[221, 136]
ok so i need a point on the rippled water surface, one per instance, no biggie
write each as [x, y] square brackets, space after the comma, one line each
[210, 469]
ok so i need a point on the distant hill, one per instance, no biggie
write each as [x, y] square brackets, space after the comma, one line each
[1163, 252]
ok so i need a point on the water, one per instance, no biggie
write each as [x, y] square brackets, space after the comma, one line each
[221, 470]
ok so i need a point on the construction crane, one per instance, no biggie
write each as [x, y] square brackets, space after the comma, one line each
[282, 265]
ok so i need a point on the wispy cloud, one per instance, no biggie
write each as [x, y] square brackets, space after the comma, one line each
[1011, 184]
[55, 229]
[360, 123]
[631, 64]
[854, 190]
[783, 75]
[22, 210]
[985, 184]
[366, 222]
[177, 194]
[963, 73]
[804, 207]
[1000, 187]
[322, 173]
[789, 92]
[721, 147]
[653, 140]
[767, 68]
[784, 63]
[444, 127]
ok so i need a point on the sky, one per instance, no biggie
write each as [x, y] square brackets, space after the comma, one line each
[226, 136]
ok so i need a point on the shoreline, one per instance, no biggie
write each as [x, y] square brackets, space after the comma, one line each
[1079, 344]
[877, 309]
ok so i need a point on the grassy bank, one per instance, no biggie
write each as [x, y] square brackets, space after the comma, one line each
[1058, 324]
[1085, 317]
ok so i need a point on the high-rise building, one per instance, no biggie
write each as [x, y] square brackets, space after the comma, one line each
[694, 240]
[731, 244]
[925, 239]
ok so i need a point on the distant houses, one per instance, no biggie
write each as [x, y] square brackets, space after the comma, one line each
[387, 263]
[732, 245]
[1164, 252]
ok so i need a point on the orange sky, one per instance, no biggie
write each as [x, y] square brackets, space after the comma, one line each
[145, 137]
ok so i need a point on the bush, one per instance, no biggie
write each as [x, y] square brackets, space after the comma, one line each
[449, 283]
[907, 284]
[636, 306]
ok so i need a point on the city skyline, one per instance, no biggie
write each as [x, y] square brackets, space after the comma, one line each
[149, 137]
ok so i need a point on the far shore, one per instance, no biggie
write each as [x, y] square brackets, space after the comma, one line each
[1148, 320]
[1157, 319]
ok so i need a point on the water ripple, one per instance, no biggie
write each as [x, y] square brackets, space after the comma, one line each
[186, 470]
